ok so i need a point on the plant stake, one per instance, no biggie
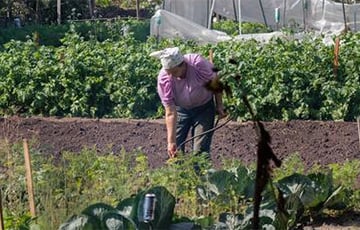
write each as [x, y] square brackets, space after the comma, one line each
[1, 214]
[358, 125]
[29, 178]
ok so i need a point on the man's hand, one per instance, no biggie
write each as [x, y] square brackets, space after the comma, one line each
[172, 150]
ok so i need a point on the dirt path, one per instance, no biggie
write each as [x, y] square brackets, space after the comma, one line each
[315, 141]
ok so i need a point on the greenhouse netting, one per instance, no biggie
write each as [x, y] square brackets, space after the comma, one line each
[193, 18]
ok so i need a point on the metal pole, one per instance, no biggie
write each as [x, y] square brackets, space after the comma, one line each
[284, 13]
[344, 14]
[239, 2]
[263, 13]
[304, 4]
[234, 7]
[210, 14]
[323, 14]
[355, 19]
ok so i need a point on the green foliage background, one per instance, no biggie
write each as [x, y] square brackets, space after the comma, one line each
[106, 72]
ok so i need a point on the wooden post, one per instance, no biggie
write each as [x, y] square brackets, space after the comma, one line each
[91, 9]
[1, 214]
[358, 125]
[137, 9]
[336, 56]
[37, 11]
[8, 12]
[29, 178]
[58, 11]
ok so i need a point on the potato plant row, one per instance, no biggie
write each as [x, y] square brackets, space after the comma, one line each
[284, 79]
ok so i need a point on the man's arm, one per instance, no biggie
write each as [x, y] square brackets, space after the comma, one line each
[170, 120]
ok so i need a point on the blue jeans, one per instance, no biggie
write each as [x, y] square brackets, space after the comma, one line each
[196, 120]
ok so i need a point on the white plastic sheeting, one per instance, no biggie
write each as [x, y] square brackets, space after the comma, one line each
[189, 19]
[321, 15]
[194, 10]
[168, 25]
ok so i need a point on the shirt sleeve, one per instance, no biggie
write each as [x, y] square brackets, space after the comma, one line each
[165, 89]
[204, 68]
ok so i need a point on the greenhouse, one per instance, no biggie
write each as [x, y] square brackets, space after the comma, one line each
[193, 19]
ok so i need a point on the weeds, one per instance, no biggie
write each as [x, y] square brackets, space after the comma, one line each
[71, 183]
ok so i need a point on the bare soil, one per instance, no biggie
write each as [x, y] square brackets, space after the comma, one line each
[316, 142]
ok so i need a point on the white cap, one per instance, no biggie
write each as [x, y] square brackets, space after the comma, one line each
[169, 57]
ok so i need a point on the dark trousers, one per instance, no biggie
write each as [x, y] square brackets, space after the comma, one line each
[197, 121]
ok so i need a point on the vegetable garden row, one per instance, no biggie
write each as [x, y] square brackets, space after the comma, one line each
[284, 79]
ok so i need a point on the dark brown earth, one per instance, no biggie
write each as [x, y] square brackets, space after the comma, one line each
[316, 142]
